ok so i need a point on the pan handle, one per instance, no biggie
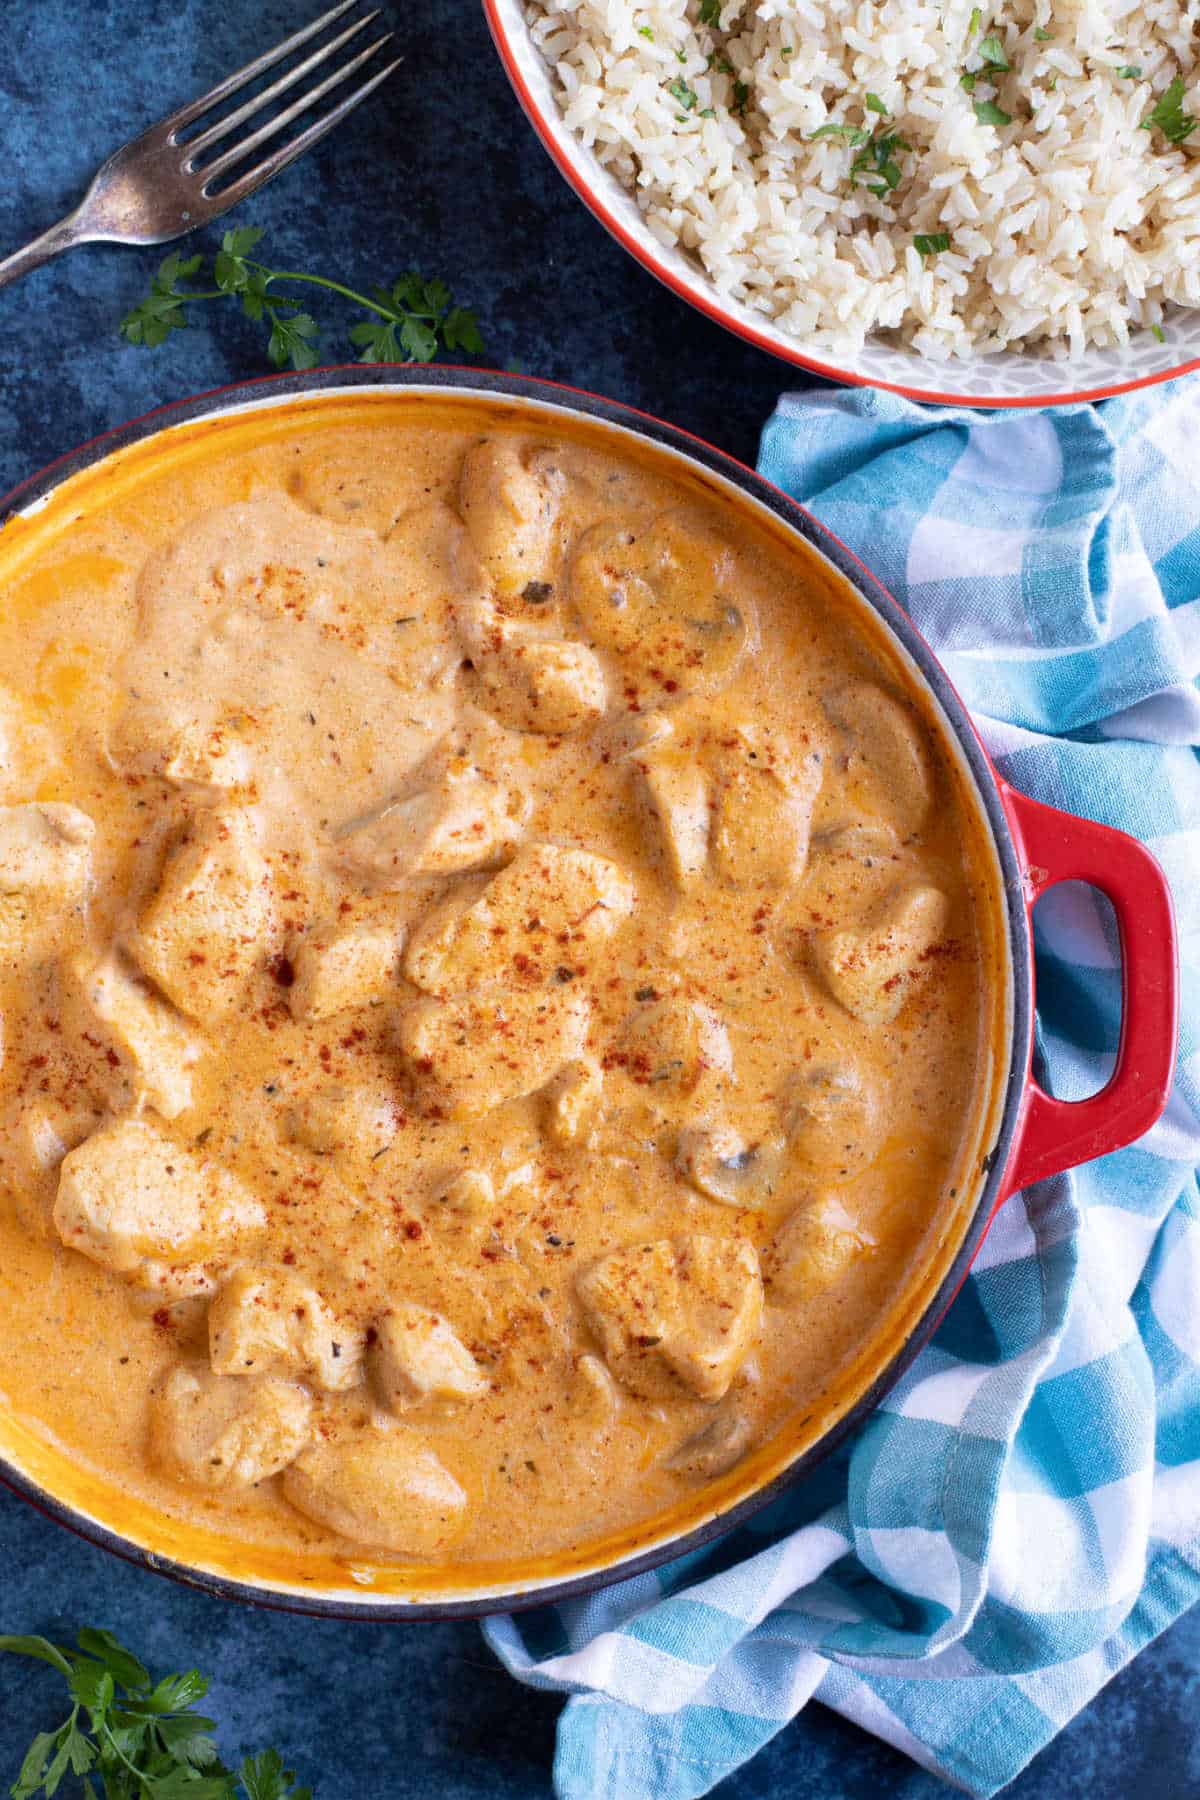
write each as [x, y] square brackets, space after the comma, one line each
[1053, 1135]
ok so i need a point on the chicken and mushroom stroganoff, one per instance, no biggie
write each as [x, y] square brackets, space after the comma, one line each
[496, 981]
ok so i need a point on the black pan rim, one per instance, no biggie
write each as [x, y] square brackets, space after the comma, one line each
[239, 395]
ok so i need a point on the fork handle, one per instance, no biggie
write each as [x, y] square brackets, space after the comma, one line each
[52, 243]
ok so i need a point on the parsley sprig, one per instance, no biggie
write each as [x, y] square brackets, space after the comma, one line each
[1168, 115]
[410, 321]
[129, 1737]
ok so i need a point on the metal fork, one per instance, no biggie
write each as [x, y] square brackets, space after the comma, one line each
[153, 188]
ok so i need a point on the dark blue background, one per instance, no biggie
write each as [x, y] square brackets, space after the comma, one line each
[439, 171]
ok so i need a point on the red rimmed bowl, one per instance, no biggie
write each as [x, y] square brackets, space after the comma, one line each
[1022, 1135]
[1012, 378]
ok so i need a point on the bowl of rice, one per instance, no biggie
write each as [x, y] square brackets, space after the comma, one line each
[993, 205]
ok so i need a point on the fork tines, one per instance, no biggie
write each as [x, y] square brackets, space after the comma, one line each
[232, 84]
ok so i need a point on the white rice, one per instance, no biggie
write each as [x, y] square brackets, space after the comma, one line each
[1070, 227]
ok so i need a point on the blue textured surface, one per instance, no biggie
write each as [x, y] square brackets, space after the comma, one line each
[439, 171]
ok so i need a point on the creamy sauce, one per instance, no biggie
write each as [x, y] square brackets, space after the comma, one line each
[525, 1012]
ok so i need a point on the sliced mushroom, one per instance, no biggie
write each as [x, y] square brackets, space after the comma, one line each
[830, 1116]
[674, 1046]
[813, 1248]
[657, 598]
[888, 771]
[716, 1447]
[719, 1164]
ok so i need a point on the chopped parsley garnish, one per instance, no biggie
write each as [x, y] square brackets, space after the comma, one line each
[1043, 36]
[1159, 333]
[875, 166]
[680, 91]
[879, 160]
[853, 134]
[976, 21]
[931, 243]
[1169, 116]
[1130, 71]
[710, 12]
[988, 113]
[993, 54]
[741, 96]
[645, 31]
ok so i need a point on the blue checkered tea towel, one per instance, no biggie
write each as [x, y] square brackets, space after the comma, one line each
[1022, 1514]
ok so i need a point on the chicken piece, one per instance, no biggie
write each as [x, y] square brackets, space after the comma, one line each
[342, 965]
[33, 1141]
[479, 1050]
[28, 748]
[138, 1203]
[508, 498]
[271, 1322]
[45, 852]
[527, 674]
[871, 970]
[629, 734]
[333, 1120]
[548, 685]
[888, 774]
[658, 599]
[572, 1100]
[762, 813]
[676, 1314]
[461, 820]
[417, 1359]
[470, 1194]
[831, 1117]
[209, 925]
[209, 762]
[719, 1164]
[547, 907]
[813, 1247]
[223, 1432]
[716, 1447]
[381, 1487]
[141, 1050]
[675, 1046]
[593, 1397]
[674, 792]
